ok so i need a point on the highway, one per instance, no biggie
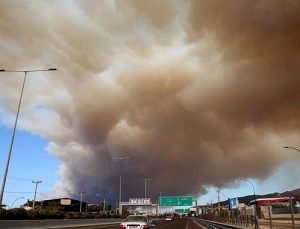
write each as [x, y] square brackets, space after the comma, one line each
[92, 224]
[161, 224]
[185, 223]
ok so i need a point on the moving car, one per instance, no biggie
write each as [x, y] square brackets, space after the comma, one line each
[169, 217]
[137, 222]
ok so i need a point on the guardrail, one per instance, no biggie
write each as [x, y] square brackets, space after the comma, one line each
[212, 224]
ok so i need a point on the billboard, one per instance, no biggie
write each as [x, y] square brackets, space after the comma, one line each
[139, 201]
[65, 201]
[175, 201]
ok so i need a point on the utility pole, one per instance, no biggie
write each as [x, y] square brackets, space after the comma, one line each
[219, 208]
[81, 194]
[36, 184]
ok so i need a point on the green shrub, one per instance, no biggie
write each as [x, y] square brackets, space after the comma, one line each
[19, 213]
[72, 215]
[98, 215]
[87, 215]
[33, 214]
[2, 213]
[69, 215]
[53, 214]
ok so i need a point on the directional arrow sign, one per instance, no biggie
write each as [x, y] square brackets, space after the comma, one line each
[176, 201]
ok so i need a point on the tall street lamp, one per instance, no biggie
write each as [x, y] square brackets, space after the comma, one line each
[290, 147]
[251, 185]
[22, 197]
[146, 179]
[291, 201]
[223, 195]
[81, 197]
[255, 213]
[159, 201]
[120, 190]
[16, 121]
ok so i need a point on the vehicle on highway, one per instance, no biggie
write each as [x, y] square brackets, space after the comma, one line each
[137, 222]
[170, 217]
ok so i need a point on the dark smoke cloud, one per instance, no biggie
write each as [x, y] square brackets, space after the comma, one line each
[199, 92]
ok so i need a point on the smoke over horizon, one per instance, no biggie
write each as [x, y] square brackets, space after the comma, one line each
[201, 93]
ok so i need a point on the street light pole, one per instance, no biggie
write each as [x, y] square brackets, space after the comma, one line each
[15, 201]
[159, 202]
[291, 199]
[223, 195]
[255, 213]
[120, 183]
[251, 185]
[15, 124]
[290, 147]
[146, 179]
[80, 207]
[104, 205]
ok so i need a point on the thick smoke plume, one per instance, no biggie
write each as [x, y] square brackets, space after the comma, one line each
[199, 92]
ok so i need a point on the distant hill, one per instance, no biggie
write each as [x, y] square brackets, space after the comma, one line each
[247, 199]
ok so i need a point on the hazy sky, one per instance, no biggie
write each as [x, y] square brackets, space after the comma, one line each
[201, 93]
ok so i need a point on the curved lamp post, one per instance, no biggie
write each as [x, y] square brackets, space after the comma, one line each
[251, 185]
[22, 197]
[290, 147]
[16, 121]
[255, 213]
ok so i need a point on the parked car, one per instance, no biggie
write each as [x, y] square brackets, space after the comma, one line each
[137, 222]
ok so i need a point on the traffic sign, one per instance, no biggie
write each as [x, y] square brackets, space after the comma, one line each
[233, 203]
[176, 201]
[182, 210]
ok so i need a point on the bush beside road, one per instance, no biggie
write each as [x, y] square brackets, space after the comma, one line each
[55, 223]
[21, 214]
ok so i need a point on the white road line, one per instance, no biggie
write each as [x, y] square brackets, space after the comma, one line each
[187, 224]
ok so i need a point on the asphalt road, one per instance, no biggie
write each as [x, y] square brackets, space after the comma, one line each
[108, 224]
[161, 224]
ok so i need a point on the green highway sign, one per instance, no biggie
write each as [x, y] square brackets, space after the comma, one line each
[176, 201]
[182, 210]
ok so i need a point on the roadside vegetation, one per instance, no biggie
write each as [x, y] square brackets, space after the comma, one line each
[20, 213]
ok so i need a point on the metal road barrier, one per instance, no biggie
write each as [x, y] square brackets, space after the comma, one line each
[212, 224]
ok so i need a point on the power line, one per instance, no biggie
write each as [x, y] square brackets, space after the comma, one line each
[42, 194]
[17, 192]
[26, 179]
[19, 178]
